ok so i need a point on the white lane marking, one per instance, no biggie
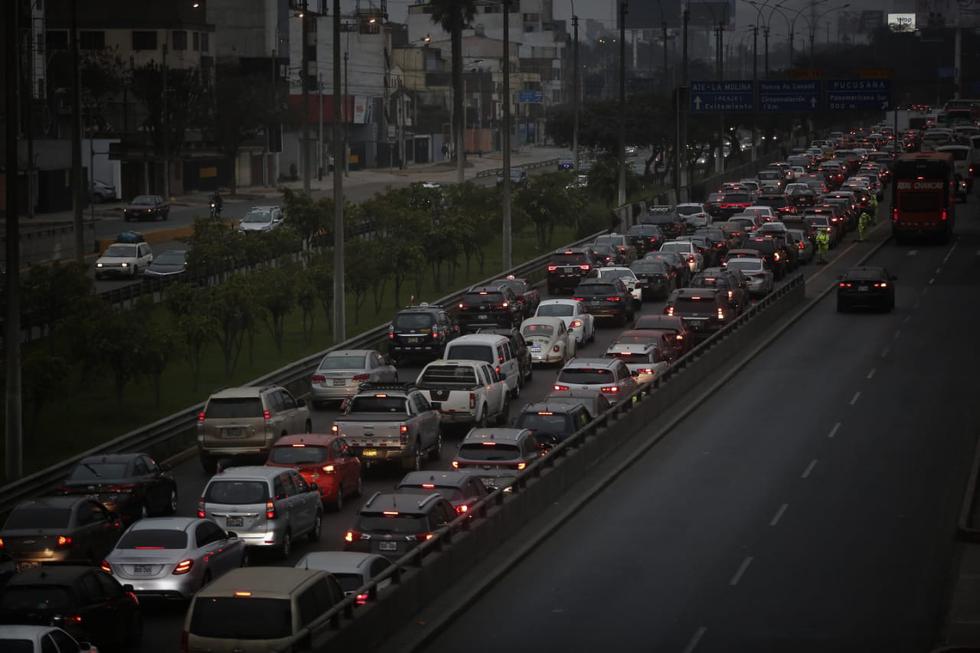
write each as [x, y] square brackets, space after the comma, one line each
[931, 281]
[871, 374]
[854, 399]
[939, 271]
[779, 514]
[950, 253]
[925, 289]
[898, 332]
[906, 320]
[834, 430]
[741, 570]
[915, 304]
[913, 252]
[693, 644]
[884, 352]
[809, 468]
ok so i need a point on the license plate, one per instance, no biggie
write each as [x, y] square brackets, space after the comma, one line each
[232, 433]
[144, 570]
[27, 564]
[414, 339]
[483, 317]
[234, 521]
[370, 453]
[339, 382]
[489, 481]
[862, 289]
[536, 350]
[387, 546]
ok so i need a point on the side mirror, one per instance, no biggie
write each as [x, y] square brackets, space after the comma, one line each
[231, 535]
[313, 487]
[301, 402]
[128, 588]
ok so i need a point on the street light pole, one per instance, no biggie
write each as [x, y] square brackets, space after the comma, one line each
[755, 85]
[507, 258]
[575, 90]
[681, 155]
[76, 136]
[765, 37]
[339, 287]
[13, 429]
[305, 82]
[621, 154]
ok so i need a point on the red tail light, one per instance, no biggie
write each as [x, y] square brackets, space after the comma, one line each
[609, 388]
[895, 215]
[943, 216]
[881, 285]
[183, 567]
[2, 544]
[556, 349]
[552, 268]
[201, 512]
[106, 567]
[361, 599]
[461, 306]
[721, 314]
[422, 537]
[391, 335]
[64, 541]
[560, 387]
[352, 536]
[270, 510]
[361, 377]
[472, 400]
[327, 469]
[318, 378]
[579, 299]
[267, 414]
[614, 298]
[575, 324]
[462, 508]
[585, 266]
[845, 284]
[669, 310]
[201, 416]
[74, 619]
[455, 464]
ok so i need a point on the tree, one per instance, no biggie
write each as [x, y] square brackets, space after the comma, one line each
[274, 292]
[195, 330]
[117, 345]
[546, 203]
[321, 276]
[158, 346]
[452, 16]
[186, 106]
[306, 296]
[53, 293]
[308, 217]
[42, 370]
[230, 304]
[245, 104]
[361, 269]
[476, 209]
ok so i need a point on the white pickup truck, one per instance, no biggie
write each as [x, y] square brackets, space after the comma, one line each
[468, 393]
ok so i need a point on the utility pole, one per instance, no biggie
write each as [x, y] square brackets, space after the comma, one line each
[663, 27]
[575, 91]
[621, 145]
[339, 287]
[304, 77]
[76, 138]
[682, 93]
[165, 123]
[755, 86]
[347, 117]
[957, 61]
[505, 142]
[319, 129]
[13, 432]
[720, 161]
[765, 36]
[28, 115]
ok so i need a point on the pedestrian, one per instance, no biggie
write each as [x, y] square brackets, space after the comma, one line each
[823, 246]
[874, 209]
[445, 151]
[864, 223]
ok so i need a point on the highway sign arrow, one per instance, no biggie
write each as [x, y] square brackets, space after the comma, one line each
[697, 103]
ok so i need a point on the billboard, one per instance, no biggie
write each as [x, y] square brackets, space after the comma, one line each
[651, 14]
[947, 13]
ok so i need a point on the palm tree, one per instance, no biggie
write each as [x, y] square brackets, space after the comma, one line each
[452, 16]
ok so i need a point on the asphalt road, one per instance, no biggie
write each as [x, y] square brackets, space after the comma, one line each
[810, 506]
[163, 622]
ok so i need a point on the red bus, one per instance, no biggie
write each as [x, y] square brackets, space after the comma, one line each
[923, 196]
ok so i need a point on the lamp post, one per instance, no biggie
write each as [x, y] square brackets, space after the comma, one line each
[621, 145]
[507, 257]
[815, 23]
[791, 23]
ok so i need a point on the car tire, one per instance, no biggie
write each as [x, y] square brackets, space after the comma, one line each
[530, 373]
[516, 392]
[435, 453]
[338, 503]
[359, 488]
[413, 462]
[315, 532]
[504, 415]
[206, 580]
[244, 562]
[286, 546]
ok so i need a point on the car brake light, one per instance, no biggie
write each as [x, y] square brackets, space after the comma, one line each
[670, 310]
[318, 378]
[575, 324]
[895, 215]
[845, 284]
[462, 508]
[646, 370]
[881, 285]
[455, 464]
[943, 215]
[327, 469]
[721, 314]
[74, 619]
[504, 305]
[521, 465]
[361, 599]
[361, 377]
[579, 299]
[352, 536]
[560, 387]
[270, 510]
[267, 414]
[64, 541]
[609, 388]
[183, 567]
[472, 400]
[422, 537]
[585, 266]
[678, 337]
[106, 567]
[613, 299]
[552, 268]
[201, 513]
[2, 544]
[461, 305]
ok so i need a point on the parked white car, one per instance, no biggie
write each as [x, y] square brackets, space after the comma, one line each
[123, 260]
[261, 219]
[572, 313]
[548, 340]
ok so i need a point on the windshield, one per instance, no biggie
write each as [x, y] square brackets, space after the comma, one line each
[349, 582]
[746, 265]
[595, 289]
[412, 321]
[237, 492]
[258, 215]
[649, 268]
[537, 331]
[358, 362]
[617, 274]
[144, 200]
[569, 258]
[556, 310]
[242, 618]
[636, 339]
[120, 251]
[38, 517]
[93, 470]
[609, 240]
[153, 538]
[676, 247]
[234, 408]
[462, 375]
[736, 197]
[483, 297]
[294, 455]
[169, 258]
[395, 524]
[544, 423]
[585, 375]
[447, 491]
[464, 352]
[380, 403]
[489, 451]
[689, 210]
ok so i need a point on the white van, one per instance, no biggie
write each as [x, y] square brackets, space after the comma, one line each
[492, 349]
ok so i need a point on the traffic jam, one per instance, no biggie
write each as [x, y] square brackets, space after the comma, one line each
[388, 446]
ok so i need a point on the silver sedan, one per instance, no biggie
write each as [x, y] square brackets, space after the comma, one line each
[173, 557]
[341, 373]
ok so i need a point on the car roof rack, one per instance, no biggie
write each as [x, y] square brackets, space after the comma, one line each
[387, 386]
[660, 208]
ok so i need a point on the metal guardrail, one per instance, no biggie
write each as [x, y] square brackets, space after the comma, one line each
[493, 172]
[177, 431]
[967, 528]
[483, 511]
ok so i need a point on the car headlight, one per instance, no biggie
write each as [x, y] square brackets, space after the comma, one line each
[98, 265]
[125, 265]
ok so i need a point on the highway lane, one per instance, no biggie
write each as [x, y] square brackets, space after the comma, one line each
[809, 506]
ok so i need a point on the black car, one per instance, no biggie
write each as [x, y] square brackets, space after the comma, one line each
[704, 310]
[866, 287]
[527, 295]
[770, 251]
[606, 299]
[167, 265]
[676, 261]
[460, 488]
[420, 332]
[606, 255]
[85, 601]
[484, 306]
[658, 278]
[147, 207]
[566, 267]
[131, 484]
[552, 422]
[720, 241]
[59, 529]
[517, 345]
[645, 238]
[731, 282]
[779, 203]
[393, 524]
[667, 219]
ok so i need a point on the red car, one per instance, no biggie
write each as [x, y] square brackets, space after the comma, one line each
[321, 459]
